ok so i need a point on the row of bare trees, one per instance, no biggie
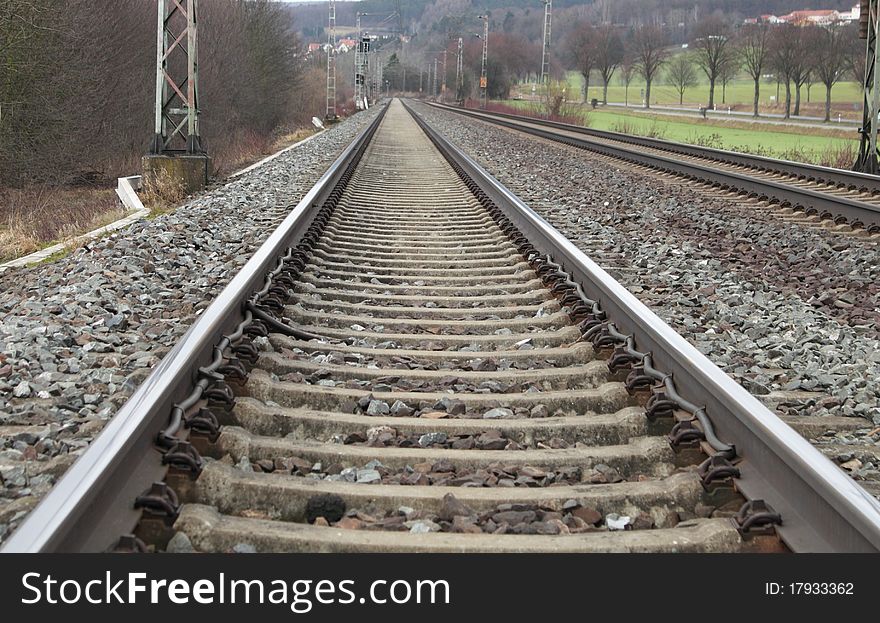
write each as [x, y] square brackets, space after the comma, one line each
[796, 55]
[77, 84]
[604, 49]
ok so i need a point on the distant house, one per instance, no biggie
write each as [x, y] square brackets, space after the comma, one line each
[852, 15]
[314, 47]
[762, 19]
[803, 18]
[808, 17]
[345, 45]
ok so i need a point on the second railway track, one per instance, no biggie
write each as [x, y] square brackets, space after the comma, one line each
[416, 362]
[848, 200]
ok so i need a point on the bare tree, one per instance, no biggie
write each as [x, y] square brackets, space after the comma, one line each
[713, 50]
[728, 73]
[82, 87]
[802, 67]
[792, 55]
[627, 72]
[830, 65]
[649, 55]
[681, 74]
[854, 53]
[753, 46]
[581, 46]
[785, 47]
[609, 54]
[553, 99]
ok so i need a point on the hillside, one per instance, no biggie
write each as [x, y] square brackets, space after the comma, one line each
[427, 15]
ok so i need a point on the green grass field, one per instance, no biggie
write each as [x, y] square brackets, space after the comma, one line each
[845, 96]
[791, 142]
[701, 131]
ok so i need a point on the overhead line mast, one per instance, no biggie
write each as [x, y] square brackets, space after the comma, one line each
[176, 149]
[176, 128]
[545, 51]
[331, 63]
[867, 161]
[361, 65]
[484, 79]
[459, 74]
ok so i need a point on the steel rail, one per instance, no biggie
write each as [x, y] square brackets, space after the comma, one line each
[92, 505]
[824, 204]
[823, 510]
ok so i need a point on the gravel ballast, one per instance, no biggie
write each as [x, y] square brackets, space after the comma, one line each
[787, 310]
[79, 334]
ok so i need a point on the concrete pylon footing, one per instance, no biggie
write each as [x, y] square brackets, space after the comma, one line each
[190, 171]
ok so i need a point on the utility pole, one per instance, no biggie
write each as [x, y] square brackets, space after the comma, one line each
[438, 84]
[176, 146]
[867, 161]
[484, 79]
[361, 65]
[443, 88]
[459, 74]
[380, 76]
[358, 50]
[331, 63]
[421, 71]
[545, 51]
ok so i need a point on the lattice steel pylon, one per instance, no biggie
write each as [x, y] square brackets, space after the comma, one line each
[331, 63]
[867, 161]
[459, 73]
[176, 127]
[358, 74]
[484, 78]
[443, 78]
[361, 65]
[545, 51]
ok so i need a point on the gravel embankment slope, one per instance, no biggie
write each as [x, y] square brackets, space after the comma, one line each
[79, 334]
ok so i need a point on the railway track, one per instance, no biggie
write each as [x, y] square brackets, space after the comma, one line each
[415, 361]
[846, 200]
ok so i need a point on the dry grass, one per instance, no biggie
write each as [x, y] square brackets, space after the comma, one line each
[249, 148]
[161, 192]
[625, 126]
[289, 138]
[567, 112]
[32, 218]
[837, 156]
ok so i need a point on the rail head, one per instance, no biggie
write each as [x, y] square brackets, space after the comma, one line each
[823, 509]
[92, 505]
